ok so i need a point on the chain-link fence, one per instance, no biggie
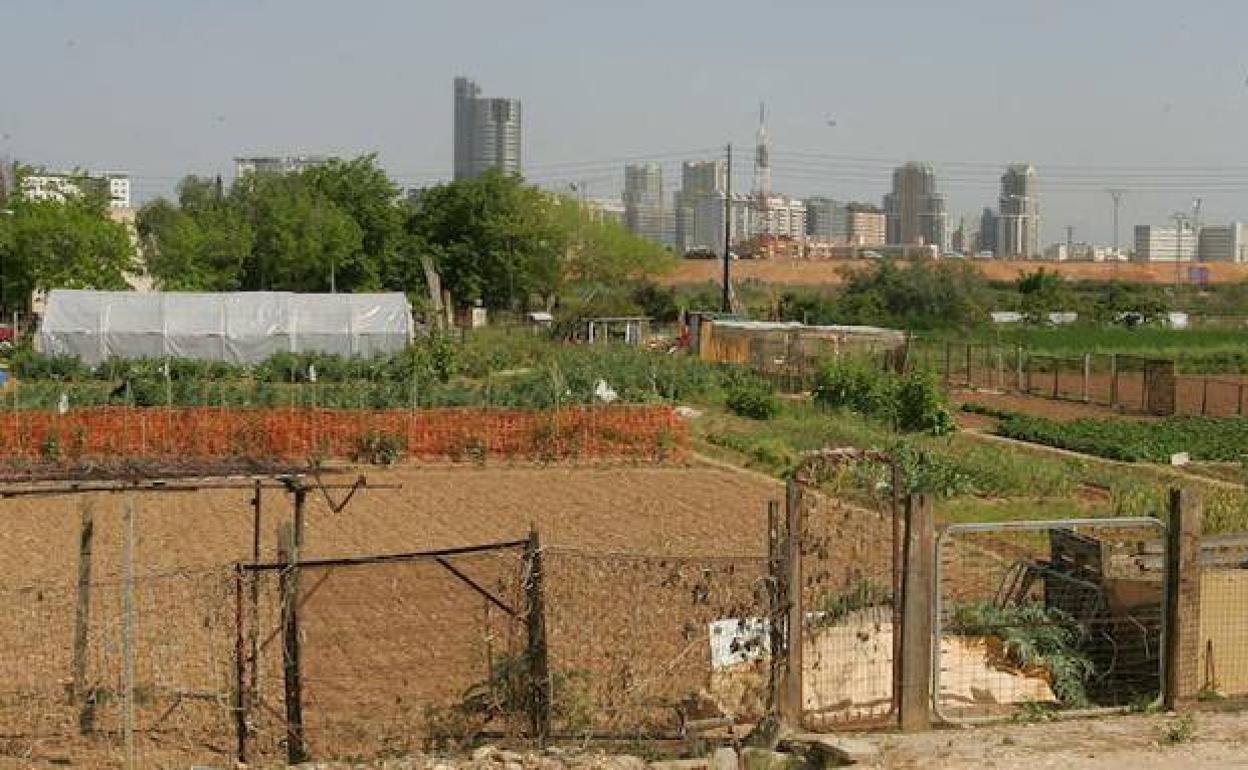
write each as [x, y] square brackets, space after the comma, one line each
[1038, 618]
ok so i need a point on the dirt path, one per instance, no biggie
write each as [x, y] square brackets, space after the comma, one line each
[1136, 742]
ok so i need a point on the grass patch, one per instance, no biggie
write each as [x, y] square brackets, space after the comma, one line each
[1204, 438]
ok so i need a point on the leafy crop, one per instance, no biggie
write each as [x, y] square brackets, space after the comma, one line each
[1204, 438]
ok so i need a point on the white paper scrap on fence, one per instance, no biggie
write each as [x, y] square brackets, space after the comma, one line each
[738, 640]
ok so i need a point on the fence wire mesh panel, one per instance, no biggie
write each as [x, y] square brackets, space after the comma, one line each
[850, 623]
[396, 656]
[1040, 618]
[66, 687]
[1222, 396]
[1223, 634]
[642, 645]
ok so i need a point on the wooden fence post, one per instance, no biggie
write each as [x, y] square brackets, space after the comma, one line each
[970, 379]
[82, 620]
[791, 702]
[1182, 596]
[1204, 397]
[240, 670]
[538, 651]
[1057, 376]
[1239, 401]
[948, 361]
[289, 553]
[1113, 380]
[916, 626]
[1018, 363]
[776, 573]
[1087, 377]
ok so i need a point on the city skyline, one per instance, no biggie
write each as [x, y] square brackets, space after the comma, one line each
[1106, 113]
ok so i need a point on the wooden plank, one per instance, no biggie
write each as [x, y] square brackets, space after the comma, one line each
[791, 703]
[916, 628]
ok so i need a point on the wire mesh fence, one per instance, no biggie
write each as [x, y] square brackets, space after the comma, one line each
[389, 655]
[85, 666]
[641, 644]
[850, 609]
[1049, 617]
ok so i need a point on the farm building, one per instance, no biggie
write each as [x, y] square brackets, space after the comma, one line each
[777, 346]
[238, 327]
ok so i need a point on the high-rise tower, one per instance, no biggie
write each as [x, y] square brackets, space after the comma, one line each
[762, 159]
[487, 132]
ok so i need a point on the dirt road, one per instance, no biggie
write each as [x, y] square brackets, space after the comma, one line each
[1208, 740]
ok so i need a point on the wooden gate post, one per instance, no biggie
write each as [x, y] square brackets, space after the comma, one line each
[538, 651]
[791, 691]
[84, 700]
[296, 751]
[1182, 596]
[916, 626]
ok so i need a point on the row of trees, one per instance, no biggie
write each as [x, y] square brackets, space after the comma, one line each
[342, 226]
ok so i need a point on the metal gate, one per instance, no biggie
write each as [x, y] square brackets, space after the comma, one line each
[1036, 619]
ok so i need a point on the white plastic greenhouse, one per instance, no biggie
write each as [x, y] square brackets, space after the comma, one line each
[238, 327]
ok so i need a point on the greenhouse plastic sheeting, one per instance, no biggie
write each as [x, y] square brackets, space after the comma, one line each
[239, 327]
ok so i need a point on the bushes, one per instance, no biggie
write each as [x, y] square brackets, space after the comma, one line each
[753, 399]
[911, 402]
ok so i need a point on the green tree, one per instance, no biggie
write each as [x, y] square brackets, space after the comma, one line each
[301, 240]
[493, 239]
[201, 244]
[361, 190]
[70, 244]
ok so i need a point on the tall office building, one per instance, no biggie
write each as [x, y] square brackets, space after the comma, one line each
[865, 225]
[698, 180]
[643, 200]
[988, 231]
[1018, 215]
[827, 219]
[915, 212]
[487, 132]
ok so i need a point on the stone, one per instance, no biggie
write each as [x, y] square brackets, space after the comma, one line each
[764, 759]
[833, 750]
[483, 754]
[724, 758]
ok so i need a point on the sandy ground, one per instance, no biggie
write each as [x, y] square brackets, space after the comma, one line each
[1135, 742]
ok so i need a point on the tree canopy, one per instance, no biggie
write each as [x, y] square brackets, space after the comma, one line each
[70, 243]
[493, 239]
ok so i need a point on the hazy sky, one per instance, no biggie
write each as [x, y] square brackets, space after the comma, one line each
[1138, 94]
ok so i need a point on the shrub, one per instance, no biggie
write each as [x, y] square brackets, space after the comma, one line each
[911, 402]
[754, 400]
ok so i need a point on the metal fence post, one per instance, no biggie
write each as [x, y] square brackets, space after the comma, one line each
[538, 652]
[916, 626]
[1182, 596]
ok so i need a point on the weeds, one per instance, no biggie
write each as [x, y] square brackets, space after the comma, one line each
[1180, 730]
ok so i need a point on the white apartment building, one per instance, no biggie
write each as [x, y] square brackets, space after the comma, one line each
[277, 164]
[59, 186]
[1164, 243]
[779, 215]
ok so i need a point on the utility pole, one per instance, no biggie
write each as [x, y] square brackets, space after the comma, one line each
[727, 298]
[1116, 194]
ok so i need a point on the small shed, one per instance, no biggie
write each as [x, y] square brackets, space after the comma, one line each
[237, 327]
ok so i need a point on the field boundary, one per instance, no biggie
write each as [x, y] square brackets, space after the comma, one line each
[109, 433]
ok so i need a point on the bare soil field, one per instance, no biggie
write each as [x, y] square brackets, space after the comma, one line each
[812, 273]
[384, 642]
